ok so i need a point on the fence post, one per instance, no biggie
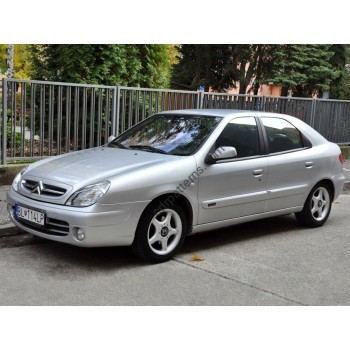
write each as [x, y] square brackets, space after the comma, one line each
[313, 113]
[4, 121]
[116, 106]
[264, 104]
[200, 100]
[114, 116]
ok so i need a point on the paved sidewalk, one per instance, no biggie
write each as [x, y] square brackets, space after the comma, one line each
[4, 219]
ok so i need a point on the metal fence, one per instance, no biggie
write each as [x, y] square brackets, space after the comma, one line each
[331, 118]
[41, 118]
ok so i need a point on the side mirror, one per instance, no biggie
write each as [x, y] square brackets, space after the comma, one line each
[221, 153]
[110, 139]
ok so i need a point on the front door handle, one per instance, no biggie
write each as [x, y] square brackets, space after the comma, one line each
[258, 172]
[309, 165]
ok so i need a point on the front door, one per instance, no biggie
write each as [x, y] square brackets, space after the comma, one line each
[234, 188]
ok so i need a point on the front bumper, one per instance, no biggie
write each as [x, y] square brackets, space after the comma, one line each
[103, 225]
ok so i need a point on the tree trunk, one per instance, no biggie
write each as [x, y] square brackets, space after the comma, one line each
[242, 87]
[284, 91]
[300, 91]
[10, 61]
[258, 72]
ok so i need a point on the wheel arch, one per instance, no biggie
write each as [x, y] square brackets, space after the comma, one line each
[174, 198]
[306, 216]
[329, 184]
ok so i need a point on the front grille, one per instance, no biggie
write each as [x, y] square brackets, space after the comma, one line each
[44, 189]
[52, 227]
[57, 227]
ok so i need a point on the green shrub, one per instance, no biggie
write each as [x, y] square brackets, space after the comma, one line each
[9, 136]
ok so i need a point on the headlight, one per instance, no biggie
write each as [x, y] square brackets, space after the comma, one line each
[88, 195]
[18, 178]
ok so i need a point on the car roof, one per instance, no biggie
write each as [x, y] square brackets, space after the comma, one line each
[229, 113]
[209, 112]
[225, 113]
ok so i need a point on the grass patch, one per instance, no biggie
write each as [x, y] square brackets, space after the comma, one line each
[22, 161]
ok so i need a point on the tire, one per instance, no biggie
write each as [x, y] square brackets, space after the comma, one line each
[317, 207]
[160, 232]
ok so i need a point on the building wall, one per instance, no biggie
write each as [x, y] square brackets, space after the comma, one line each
[264, 90]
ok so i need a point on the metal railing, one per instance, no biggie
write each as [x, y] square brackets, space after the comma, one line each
[331, 118]
[41, 118]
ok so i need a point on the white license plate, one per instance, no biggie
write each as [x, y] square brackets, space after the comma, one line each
[30, 215]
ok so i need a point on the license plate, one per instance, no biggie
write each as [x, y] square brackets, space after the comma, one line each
[30, 215]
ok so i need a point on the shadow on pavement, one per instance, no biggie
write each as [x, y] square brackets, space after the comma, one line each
[61, 256]
[242, 232]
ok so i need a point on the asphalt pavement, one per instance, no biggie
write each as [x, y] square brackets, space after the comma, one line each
[267, 262]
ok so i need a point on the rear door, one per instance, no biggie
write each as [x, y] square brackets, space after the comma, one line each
[292, 165]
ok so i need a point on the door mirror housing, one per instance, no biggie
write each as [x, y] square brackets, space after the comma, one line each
[221, 153]
[110, 139]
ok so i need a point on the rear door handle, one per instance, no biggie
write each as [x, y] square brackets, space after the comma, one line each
[258, 172]
[309, 165]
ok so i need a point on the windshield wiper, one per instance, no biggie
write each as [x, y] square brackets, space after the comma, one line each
[148, 148]
[115, 145]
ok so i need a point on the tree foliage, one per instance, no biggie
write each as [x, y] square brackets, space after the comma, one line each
[21, 60]
[340, 87]
[126, 65]
[222, 67]
[156, 63]
[3, 56]
[206, 65]
[304, 69]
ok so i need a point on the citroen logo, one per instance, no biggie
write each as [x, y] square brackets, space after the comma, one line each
[38, 188]
[164, 231]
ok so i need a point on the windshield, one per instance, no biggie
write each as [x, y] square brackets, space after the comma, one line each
[169, 133]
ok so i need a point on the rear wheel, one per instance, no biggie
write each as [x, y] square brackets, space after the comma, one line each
[317, 207]
[160, 233]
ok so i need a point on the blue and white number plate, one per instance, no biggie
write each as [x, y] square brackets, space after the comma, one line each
[30, 215]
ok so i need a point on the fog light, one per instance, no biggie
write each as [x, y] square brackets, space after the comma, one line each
[80, 234]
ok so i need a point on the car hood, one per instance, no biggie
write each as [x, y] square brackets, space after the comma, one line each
[95, 164]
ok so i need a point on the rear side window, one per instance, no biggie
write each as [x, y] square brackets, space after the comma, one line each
[282, 136]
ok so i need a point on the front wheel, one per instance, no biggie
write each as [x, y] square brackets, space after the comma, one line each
[160, 233]
[316, 208]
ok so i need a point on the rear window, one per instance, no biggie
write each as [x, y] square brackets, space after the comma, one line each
[282, 136]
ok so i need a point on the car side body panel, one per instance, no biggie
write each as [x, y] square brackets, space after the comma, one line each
[291, 178]
[231, 190]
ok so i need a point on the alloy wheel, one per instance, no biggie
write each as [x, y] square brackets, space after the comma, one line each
[320, 203]
[164, 231]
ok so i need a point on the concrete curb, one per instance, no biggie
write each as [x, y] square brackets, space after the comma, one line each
[346, 188]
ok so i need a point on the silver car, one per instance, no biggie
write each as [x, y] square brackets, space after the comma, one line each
[176, 173]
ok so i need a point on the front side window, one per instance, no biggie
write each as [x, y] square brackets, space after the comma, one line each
[169, 133]
[242, 134]
[282, 136]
